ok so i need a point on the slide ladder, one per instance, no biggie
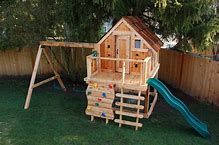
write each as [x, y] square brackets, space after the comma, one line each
[199, 126]
[127, 112]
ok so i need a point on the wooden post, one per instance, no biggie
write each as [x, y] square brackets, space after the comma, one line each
[107, 120]
[45, 51]
[92, 118]
[121, 109]
[146, 70]
[30, 90]
[138, 110]
[149, 68]
[147, 97]
[143, 73]
[123, 72]
[89, 63]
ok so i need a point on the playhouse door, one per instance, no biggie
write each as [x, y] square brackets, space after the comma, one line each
[122, 52]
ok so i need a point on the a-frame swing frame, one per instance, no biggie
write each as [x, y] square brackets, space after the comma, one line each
[43, 48]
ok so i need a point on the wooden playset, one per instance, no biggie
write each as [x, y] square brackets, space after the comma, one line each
[121, 69]
[117, 72]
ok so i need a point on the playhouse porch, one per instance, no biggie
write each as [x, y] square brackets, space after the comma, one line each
[121, 72]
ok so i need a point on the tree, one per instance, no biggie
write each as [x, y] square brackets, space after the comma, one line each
[193, 23]
[23, 23]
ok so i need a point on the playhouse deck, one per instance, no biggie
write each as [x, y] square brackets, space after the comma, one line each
[117, 79]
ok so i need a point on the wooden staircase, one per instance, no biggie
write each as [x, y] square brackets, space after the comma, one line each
[126, 112]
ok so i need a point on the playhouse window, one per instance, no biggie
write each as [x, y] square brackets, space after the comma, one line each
[137, 43]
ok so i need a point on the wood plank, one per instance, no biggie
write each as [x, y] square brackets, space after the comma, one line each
[129, 96]
[129, 105]
[118, 83]
[100, 104]
[99, 99]
[96, 114]
[152, 106]
[121, 108]
[123, 72]
[116, 59]
[128, 123]
[33, 77]
[99, 110]
[44, 81]
[68, 44]
[100, 94]
[49, 60]
[101, 88]
[129, 114]
[122, 33]
[89, 64]
[138, 110]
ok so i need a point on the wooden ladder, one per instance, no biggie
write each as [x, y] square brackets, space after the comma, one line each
[124, 112]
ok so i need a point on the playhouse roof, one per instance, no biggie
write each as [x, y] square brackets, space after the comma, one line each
[137, 25]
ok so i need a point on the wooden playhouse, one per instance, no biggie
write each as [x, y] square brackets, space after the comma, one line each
[125, 58]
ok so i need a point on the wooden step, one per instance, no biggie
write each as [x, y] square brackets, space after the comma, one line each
[129, 96]
[136, 124]
[100, 110]
[98, 114]
[99, 104]
[129, 114]
[100, 93]
[101, 89]
[99, 99]
[129, 105]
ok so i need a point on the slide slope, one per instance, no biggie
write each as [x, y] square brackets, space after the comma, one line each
[199, 126]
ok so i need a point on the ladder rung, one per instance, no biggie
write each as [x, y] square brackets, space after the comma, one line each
[129, 114]
[129, 105]
[128, 123]
[129, 96]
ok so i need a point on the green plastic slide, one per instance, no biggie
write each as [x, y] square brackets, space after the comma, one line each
[199, 126]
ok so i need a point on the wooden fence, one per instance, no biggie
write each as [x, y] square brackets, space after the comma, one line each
[21, 63]
[195, 76]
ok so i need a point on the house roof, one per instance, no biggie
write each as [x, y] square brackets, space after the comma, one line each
[139, 27]
[144, 31]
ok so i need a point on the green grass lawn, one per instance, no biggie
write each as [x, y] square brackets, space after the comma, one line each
[57, 118]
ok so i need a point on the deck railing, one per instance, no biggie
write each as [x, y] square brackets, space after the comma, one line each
[94, 66]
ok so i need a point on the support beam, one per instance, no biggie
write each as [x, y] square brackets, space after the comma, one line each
[123, 73]
[32, 85]
[152, 106]
[49, 60]
[69, 44]
[147, 98]
[44, 81]
[30, 90]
